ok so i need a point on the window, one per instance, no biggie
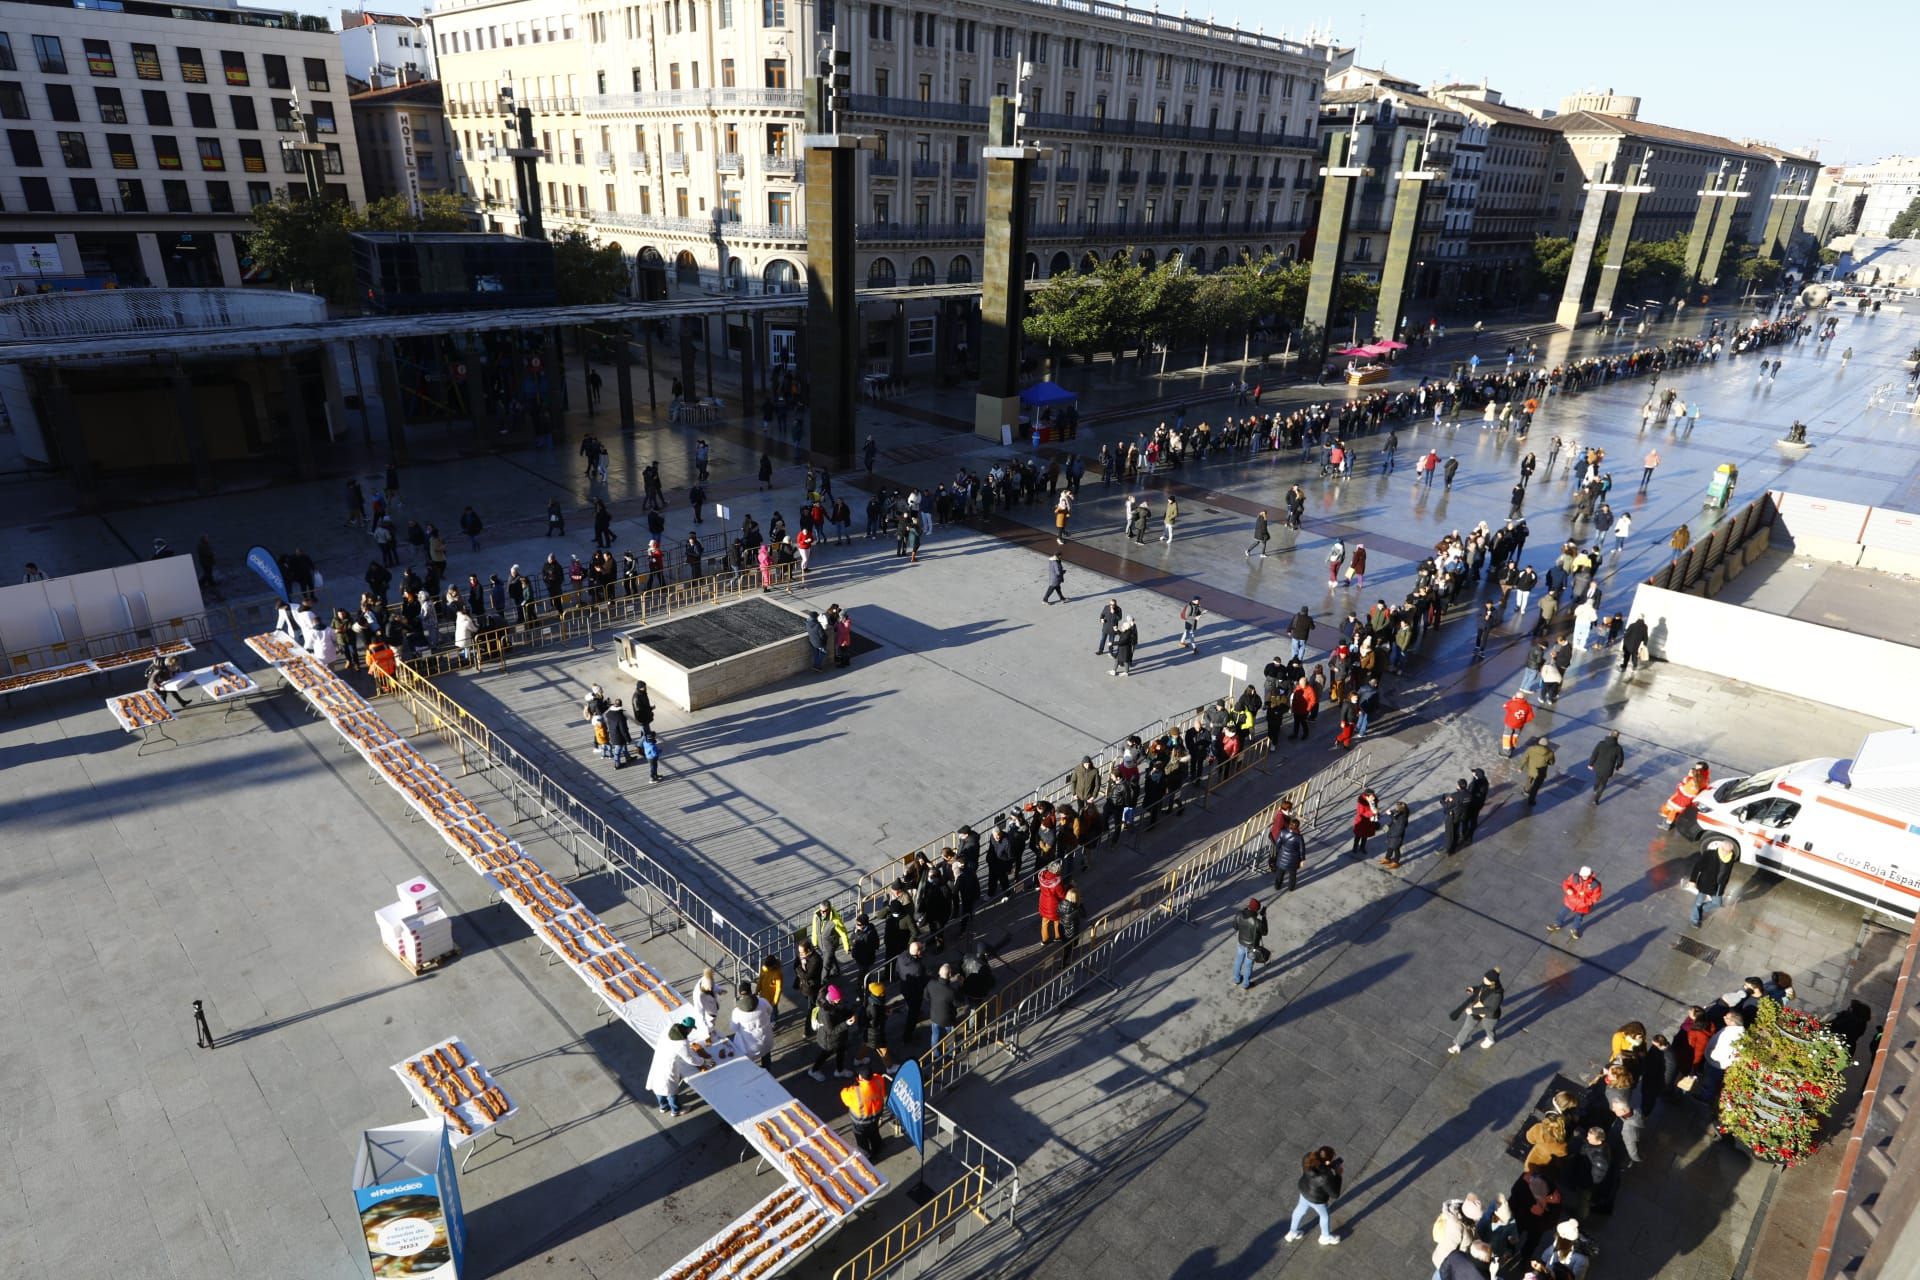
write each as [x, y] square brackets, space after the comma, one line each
[777, 140]
[317, 74]
[39, 195]
[726, 13]
[193, 69]
[13, 102]
[966, 93]
[290, 160]
[726, 73]
[880, 82]
[112, 109]
[210, 156]
[99, 57]
[200, 110]
[133, 195]
[920, 334]
[259, 193]
[276, 70]
[177, 199]
[146, 62]
[321, 113]
[883, 209]
[73, 151]
[253, 156]
[235, 65]
[6, 53]
[220, 197]
[61, 104]
[26, 148]
[46, 49]
[673, 75]
[776, 73]
[925, 87]
[680, 202]
[283, 115]
[120, 151]
[1774, 812]
[166, 151]
[86, 195]
[244, 116]
[330, 160]
[159, 111]
[729, 200]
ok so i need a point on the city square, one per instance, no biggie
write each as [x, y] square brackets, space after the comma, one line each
[659, 721]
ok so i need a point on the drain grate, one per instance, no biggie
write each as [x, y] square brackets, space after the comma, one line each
[1679, 702]
[1696, 949]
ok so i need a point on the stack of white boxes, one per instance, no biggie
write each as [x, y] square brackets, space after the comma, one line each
[415, 928]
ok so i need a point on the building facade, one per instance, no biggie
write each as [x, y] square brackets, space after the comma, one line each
[1890, 186]
[405, 149]
[139, 138]
[385, 48]
[673, 130]
[1509, 206]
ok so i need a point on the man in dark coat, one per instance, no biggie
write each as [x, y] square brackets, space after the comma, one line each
[1109, 623]
[912, 976]
[1605, 761]
[619, 735]
[1457, 803]
[1396, 832]
[1635, 637]
[1477, 788]
[1286, 850]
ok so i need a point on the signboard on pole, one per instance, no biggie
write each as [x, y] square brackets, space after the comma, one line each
[264, 563]
[409, 1201]
[1234, 668]
[907, 1101]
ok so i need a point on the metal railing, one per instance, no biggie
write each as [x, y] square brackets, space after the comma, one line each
[1693, 569]
[245, 617]
[988, 1188]
[997, 1023]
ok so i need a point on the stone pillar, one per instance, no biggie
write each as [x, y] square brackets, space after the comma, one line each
[623, 375]
[832, 312]
[193, 432]
[71, 442]
[556, 401]
[293, 402]
[1568, 316]
[653, 398]
[1623, 216]
[150, 260]
[897, 342]
[392, 404]
[1003, 280]
[1329, 247]
[1408, 196]
[749, 363]
[1792, 211]
[228, 259]
[330, 357]
[689, 385]
[1697, 237]
[1717, 242]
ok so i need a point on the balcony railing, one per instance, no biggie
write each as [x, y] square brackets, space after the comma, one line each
[727, 162]
[1067, 173]
[639, 162]
[708, 228]
[1230, 180]
[680, 99]
[1040, 172]
[603, 160]
[676, 162]
[868, 104]
[882, 167]
[1156, 177]
[896, 232]
[1125, 232]
[965, 170]
[1054, 122]
[780, 166]
[1129, 176]
[926, 168]
[1209, 179]
[1099, 175]
[1183, 179]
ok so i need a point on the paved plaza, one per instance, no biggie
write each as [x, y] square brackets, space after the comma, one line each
[1158, 1125]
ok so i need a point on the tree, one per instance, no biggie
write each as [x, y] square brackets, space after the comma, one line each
[1759, 272]
[1552, 258]
[586, 271]
[444, 211]
[1654, 267]
[305, 244]
[1906, 223]
[1789, 1072]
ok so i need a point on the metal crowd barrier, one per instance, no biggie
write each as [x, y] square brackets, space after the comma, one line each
[988, 1189]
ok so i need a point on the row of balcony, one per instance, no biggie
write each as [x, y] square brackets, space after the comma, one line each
[682, 99]
[915, 233]
[495, 111]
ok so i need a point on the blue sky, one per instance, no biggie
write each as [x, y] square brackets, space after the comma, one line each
[1770, 70]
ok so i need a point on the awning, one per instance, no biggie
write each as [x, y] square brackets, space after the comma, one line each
[1041, 394]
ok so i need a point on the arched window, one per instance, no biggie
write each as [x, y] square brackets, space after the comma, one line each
[1089, 262]
[1146, 258]
[1061, 264]
[881, 275]
[1220, 257]
[685, 269]
[921, 272]
[960, 270]
[736, 273]
[780, 276]
[1198, 259]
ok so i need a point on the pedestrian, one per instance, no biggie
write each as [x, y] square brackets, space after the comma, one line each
[1605, 761]
[750, 1025]
[1477, 791]
[943, 1005]
[1451, 469]
[1457, 1230]
[1483, 630]
[1633, 648]
[1397, 815]
[1109, 623]
[1357, 569]
[1170, 518]
[1052, 888]
[1711, 873]
[650, 748]
[1579, 895]
[1056, 575]
[1697, 779]
[843, 638]
[831, 1029]
[1249, 927]
[673, 1060]
[1516, 715]
[470, 525]
[866, 1100]
[1298, 631]
[1456, 805]
[1534, 764]
[1647, 465]
[1320, 1179]
[1621, 528]
[1062, 512]
[1124, 641]
[1336, 556]
[202, 1033]
[556, 519]
[620, 738]
[1073, 918]
[1190, 624]
[1479, 1013]
[1366, 821]
[1260, 537]
[1286, 851]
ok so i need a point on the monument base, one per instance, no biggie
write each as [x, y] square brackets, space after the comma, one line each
[1573, 318]
[702, 659]
[990, 413]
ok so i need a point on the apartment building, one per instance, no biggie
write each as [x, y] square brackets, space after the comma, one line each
[673, 129]
[138, 137]
[385, 48]
[1595, 148]
[1509, 202]
[1891, 184]
[405, 149]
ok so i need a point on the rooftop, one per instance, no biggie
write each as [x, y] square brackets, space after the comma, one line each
[1386, 93]
[425, 93]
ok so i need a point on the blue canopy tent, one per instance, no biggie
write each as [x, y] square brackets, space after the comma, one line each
[1045, 404]
[1047, 395]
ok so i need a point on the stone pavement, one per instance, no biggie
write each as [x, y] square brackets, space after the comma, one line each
[120, 901]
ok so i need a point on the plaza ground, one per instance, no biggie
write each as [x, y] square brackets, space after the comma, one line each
[242, 866]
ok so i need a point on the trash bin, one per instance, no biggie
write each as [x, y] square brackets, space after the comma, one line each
[1720, 488]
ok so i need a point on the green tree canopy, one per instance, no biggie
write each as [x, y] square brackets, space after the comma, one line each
[305, 244]
[1552, 258]
[1906, 223]
[586, 271]
[1654, 268]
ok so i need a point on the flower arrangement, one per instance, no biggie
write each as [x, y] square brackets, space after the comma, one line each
[1789, 1073]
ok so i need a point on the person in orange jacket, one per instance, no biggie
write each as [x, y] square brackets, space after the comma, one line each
[1517, 715]
[866, 1100]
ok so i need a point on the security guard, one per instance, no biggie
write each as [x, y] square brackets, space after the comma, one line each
[866, 1100]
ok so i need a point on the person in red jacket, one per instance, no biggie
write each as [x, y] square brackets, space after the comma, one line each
[1052, 890]
[1579, 895]
[1301, 704]
[1517, 715]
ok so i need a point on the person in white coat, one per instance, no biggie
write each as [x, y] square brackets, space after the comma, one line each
[326, 646]
[706, 1005]
[752, 1025]
[1621, 528]
[309, 623]
[672, 1060]
[283, 620]
[464, 630]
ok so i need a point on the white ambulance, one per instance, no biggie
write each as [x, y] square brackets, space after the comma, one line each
[1850, 827]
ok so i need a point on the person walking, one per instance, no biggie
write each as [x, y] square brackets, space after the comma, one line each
[1479, 1013]
[1298, 632]
[650, 748]
[1579, 895]
[1170, 518]
[1711, 873]
[1621, 528]
[1633, 647]
[1366, 821]
[1124, 641]
[556, 519]
[1260, 537]
[1456, 805]
[1451, 469]
[1605, 761]
[1534, 764]
[1190, 615]
[1516, 715]
[1286, 851]
[1357, 569]
[1647, 465]
[1062, 512]
[1249, 927]
[1516, 500]
[1320, 1180]
[1336, 556]
[1056, 576]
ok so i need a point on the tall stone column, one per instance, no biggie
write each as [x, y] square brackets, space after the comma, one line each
[1408, 197]
[1702, 218]
[1003, 292]
[293, 402]
[1329, 246]
[1624, 212]
[1568, 316]
[1791, 209]
[623, 374]
[393, 403]
[1717, 242]
[832, 311]
[186, 408]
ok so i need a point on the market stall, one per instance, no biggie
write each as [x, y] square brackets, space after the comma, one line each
[1365, 364]
[93, 666]
[447, 1081]
[1049, 413]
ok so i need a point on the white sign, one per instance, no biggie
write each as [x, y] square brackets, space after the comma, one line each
[1230, 667]
[720, 510]
[30, 260]
[409, 163]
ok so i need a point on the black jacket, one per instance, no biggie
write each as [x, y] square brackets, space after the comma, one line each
[1250, 927]
[1396, 826]
[1320, 1186]
[1301, 627]
[911, 971]
[943, 1003]
[1607, 756]
[1710, 875]
[1289, 848]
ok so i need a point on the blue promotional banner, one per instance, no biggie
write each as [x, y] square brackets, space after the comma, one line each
[262, 562]
[907, 1101]
[408, 1196]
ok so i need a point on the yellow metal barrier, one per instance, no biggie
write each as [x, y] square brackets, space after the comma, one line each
[905, 1236]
